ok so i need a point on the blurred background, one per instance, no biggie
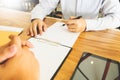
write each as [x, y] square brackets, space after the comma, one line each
[27, 6]
[24, 5]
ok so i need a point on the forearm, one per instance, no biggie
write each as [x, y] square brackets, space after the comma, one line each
[111, 16]
[103, 23]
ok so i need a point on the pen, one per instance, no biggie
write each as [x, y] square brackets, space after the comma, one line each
[74, 18]
[20, 33]
[23, 35]
[52, 42]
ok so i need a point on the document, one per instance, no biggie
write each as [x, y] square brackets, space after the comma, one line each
[50, 49]
[60, 34]
[50, 57]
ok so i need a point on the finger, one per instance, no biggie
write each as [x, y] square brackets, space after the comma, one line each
[27, 43]
[11, 36]
[34, 28]
[40, 28]
[71, 26]
[72, 30]
[15, 40]
[30, 30]
[72, 17]
[11, 50]
[45, 27]
[71, 22]
[7, 53]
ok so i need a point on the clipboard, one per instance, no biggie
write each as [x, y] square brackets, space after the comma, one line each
[50, 56]
[57, 52]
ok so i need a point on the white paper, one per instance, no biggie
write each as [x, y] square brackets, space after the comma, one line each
[49, 56]
[60, 34]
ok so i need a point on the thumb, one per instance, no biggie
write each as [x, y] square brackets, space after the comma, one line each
[15, 40]
[7, 53]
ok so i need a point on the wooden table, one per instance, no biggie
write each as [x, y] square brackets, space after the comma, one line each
[105, 43]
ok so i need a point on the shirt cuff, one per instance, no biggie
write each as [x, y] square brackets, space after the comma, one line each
[91, 24]
[36, 16]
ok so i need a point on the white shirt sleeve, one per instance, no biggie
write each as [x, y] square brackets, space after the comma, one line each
[111, 19]
[43, 8]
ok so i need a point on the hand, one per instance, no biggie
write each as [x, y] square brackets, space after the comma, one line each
[37, 27]
[9, 50]
[76, 25]
[20, 62]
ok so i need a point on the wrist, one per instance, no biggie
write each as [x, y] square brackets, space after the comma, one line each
[84, 24]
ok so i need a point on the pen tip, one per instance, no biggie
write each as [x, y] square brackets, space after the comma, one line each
[63, 24]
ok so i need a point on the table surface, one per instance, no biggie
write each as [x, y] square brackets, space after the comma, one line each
[104, 43]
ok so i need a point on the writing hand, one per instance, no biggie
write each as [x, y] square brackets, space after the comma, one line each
[76, 25]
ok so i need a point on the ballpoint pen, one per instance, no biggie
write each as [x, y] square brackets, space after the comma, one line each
[74, 18]
[23, 35]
